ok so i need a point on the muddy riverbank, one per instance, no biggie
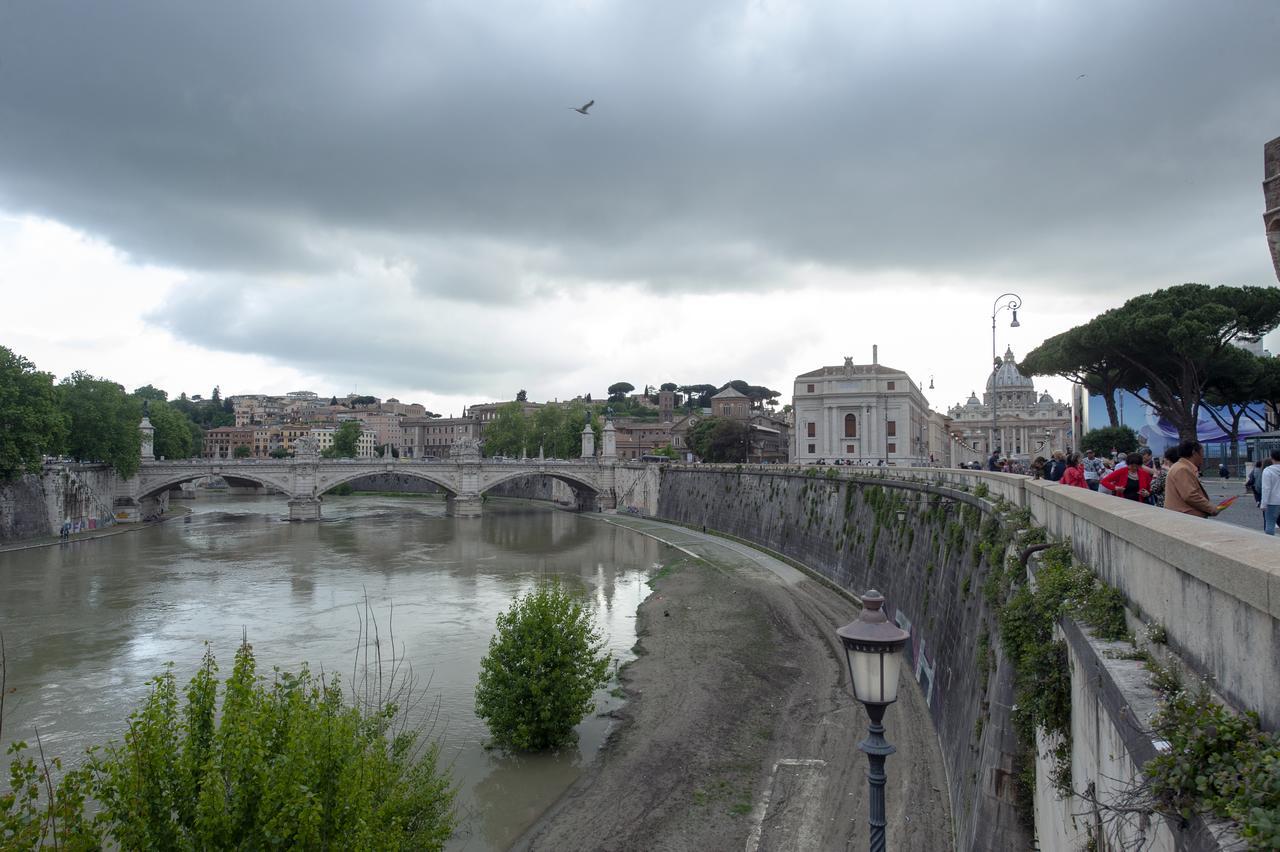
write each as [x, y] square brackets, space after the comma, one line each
[740, 730]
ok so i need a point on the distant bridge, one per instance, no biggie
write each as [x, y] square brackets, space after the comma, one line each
[305, 481]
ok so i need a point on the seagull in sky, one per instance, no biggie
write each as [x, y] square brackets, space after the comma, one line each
[1082, 75]
[583, 109]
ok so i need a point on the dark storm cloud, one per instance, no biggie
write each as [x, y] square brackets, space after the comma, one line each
[728, 142]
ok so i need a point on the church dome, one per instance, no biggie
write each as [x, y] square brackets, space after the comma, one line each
[973, 399]
[1007, 377]
[1045, 399]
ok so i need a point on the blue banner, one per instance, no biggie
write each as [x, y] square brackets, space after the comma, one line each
[1159, 433]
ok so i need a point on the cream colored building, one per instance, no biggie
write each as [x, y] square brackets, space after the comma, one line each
[364, 444]
[1027, 425]
[860, 414]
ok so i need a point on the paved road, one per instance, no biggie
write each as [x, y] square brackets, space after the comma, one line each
[1242, 513]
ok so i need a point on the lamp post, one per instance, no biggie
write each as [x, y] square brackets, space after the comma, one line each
[873, 650]
[1048, 436]
[1015, 302]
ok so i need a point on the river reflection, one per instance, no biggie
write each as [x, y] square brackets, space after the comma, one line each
[88, 623]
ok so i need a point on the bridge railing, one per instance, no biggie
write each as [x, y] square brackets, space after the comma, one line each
[166, 463]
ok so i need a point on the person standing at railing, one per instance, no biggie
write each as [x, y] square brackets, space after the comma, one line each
[1093, 470]
[1183, 491]
[1074, 473]
[1270, 496]
[1133, 481]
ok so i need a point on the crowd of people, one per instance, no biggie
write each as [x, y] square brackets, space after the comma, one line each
[1172, 481]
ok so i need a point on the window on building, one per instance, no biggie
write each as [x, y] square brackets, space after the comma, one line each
[812, 449]
[892, 385]
[892, 448]
[850, 426]
[891, 427]
[812, 430]
[851, 450]
[809, 388]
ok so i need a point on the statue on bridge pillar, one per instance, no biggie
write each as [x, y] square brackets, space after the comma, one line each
[148, 433]
[588, 440]
[306, 448]
[465, 450]
[609, 443]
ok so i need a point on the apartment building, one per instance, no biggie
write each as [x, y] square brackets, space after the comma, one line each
[365, 444]
[431, 437]
[221, 442]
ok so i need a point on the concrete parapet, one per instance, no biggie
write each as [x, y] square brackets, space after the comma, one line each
[1112, 707]
[1214, 588]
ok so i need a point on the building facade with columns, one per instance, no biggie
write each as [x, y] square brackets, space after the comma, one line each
[1027, 424]
[869, 414]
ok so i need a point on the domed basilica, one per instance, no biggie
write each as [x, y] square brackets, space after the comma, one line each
[1027, 425]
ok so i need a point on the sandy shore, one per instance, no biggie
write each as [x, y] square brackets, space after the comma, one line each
[740, 730]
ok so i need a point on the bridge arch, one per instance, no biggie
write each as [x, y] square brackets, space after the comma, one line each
[444, 483]
[152, 487]
[586, 492]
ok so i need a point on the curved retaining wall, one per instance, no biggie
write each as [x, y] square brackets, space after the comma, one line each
[929, 568]
[1214, 588]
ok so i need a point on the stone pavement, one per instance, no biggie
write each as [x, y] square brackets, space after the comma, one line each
[1242, 513]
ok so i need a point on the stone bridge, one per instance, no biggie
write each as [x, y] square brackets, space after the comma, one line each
[304, 481]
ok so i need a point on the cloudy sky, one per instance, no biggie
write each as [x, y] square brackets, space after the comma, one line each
[396, 198]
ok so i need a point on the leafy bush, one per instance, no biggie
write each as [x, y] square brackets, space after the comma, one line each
[1220, 763]
[287, 764]
[1042, 677]
[543, 665]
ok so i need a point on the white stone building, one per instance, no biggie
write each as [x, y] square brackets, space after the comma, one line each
[364, 444]
[860, 414]
[1027, 425]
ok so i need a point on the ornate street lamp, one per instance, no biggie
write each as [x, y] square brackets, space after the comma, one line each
[873, 649]
[1015, 302]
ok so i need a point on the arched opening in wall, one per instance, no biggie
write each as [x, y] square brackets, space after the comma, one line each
[1273, 228]
[850, 426]
[561, 490]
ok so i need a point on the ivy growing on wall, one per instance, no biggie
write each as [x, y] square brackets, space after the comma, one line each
[1042, 677]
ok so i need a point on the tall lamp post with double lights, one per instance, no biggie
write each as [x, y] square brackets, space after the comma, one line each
[1015, 302]
[873, 649]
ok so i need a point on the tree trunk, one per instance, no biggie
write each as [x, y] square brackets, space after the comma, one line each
[1234, 437]
[1113, 413]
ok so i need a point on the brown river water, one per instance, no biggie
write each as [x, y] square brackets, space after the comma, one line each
[86, 624]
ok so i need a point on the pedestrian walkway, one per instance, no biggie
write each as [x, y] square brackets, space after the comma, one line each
[1242, 513]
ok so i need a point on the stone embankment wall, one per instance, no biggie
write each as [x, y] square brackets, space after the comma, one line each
[535, 488]
[1209, 590]
[36, 505]
[637, 485]
[929, 567]
[395, 482]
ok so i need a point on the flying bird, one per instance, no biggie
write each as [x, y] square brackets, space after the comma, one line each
[583, 109]
[1082, 75]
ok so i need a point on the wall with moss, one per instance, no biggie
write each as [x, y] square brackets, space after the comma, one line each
[935, 568]
[36, 505]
